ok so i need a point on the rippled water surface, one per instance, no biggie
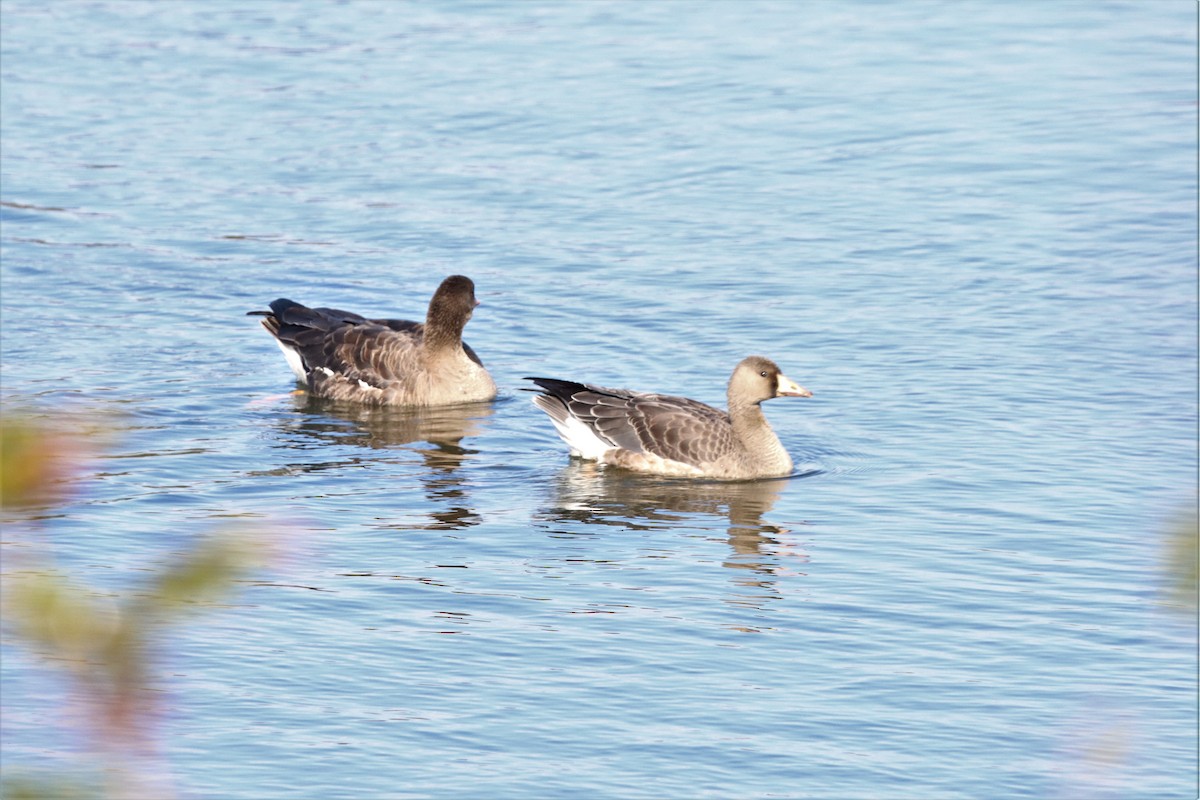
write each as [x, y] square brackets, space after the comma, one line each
[970, 230]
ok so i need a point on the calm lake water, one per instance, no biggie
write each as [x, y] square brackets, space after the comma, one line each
[969, 229]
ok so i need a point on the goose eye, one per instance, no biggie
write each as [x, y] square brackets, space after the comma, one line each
[763, 373]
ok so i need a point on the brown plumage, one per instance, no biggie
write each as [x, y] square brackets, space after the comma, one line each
[342, 356]
[669, 435]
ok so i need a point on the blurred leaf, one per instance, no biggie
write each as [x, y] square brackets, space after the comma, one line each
[1184, 563]
[49, 610]
[207, 572]
[34, 464]
[33, 787]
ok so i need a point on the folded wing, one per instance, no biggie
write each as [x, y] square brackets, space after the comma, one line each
[673, 428]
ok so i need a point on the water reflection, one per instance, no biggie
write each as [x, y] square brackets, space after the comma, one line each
[339, 426]
[593, 495]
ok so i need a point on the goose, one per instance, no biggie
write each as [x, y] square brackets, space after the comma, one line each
[667, 435]
[340, 355]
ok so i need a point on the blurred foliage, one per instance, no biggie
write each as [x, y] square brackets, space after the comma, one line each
[32, 787]
[34, 465]
[105, 644]
[1184, 560]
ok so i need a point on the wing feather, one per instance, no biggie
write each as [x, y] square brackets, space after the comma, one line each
[681, 429]
[371, 353]
[341, 351]
[670, 427]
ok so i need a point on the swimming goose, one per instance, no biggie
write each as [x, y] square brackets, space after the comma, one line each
[343, 356]
[668, 435]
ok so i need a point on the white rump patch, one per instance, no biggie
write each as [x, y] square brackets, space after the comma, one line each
[582, 440]
[293, 359]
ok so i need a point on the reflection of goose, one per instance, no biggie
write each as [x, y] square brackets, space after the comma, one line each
[389, 426]
[343, 356]
[587, 493]
[382, 428]
[668, 435]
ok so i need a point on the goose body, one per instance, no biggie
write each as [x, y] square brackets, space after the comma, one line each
[669, 435]
[341, 355]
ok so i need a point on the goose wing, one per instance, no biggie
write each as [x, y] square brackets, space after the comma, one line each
[670, 427]
[332, 342]
[374, 354]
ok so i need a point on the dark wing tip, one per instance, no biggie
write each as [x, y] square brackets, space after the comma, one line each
[553, 384]
[278, 306]
[281, 305]
[553, 387]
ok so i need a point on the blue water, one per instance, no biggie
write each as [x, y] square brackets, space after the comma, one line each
[970, 229]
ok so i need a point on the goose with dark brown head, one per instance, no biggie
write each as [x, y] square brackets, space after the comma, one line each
[340, 355]
[668, 435]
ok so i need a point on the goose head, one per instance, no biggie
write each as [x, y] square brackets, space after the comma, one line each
[756, 379]
[453, 304]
